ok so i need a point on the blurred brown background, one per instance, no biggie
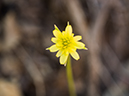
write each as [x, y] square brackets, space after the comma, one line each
[27, 69]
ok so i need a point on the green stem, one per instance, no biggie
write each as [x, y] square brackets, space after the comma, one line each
[70, 77]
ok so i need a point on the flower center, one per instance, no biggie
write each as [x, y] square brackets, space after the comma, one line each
[65, 42]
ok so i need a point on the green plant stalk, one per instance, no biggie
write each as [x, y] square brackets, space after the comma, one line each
[71, 85]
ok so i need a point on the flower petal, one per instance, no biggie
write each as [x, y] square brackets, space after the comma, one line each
[63, 58]
[53, 48]
[77, 38]
[63, 33]
[75, 55]
[56, 27]
[85, 48]
[71, 49]
[80, 45]
[68, 29]
[59, 53]
[56, 33]
[54, 40]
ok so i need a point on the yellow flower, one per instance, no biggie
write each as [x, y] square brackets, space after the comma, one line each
[66, 43]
